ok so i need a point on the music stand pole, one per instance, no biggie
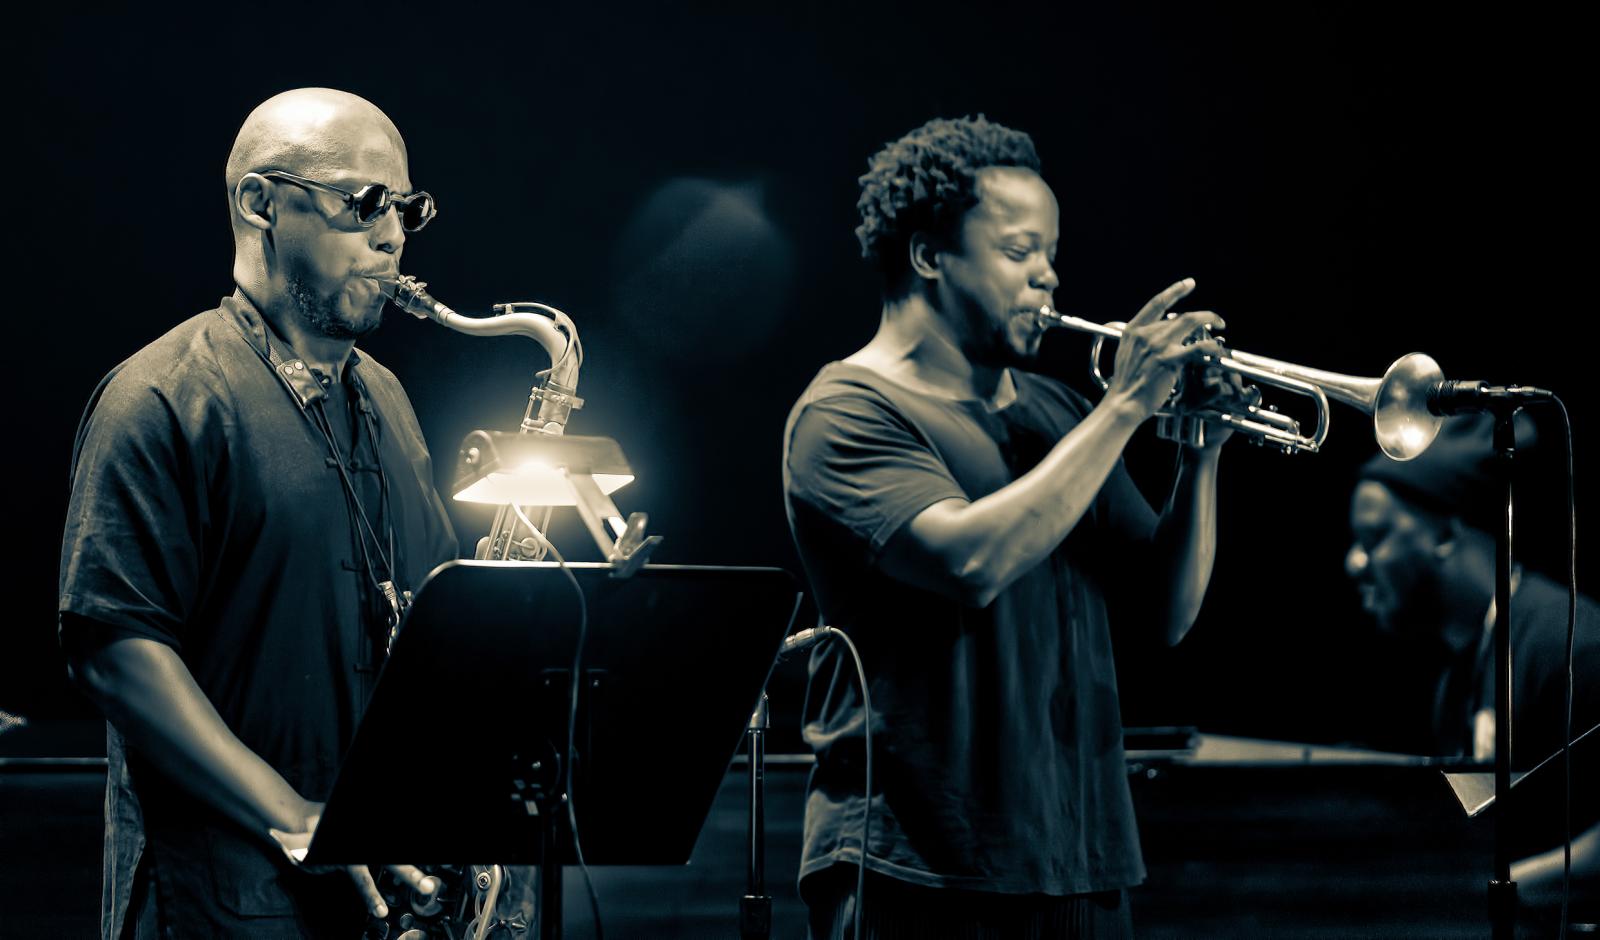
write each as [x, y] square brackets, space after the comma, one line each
[550, 869]
[1502, 894]
[755, 908]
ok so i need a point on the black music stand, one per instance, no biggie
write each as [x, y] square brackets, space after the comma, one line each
[458, 759]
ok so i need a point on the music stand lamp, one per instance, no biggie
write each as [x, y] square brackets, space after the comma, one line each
[511, 470]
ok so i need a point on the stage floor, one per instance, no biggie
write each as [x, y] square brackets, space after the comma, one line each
[1312, 850]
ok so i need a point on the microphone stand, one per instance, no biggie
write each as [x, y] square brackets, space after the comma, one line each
[1502, 894]
[1503, 403]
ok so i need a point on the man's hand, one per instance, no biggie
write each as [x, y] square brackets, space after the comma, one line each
[294, 845]
[1208, 386]
[1155, 348]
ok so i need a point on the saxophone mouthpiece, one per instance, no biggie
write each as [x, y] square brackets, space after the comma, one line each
[408, 293]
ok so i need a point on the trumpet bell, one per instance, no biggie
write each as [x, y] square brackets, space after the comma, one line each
[1400, 417]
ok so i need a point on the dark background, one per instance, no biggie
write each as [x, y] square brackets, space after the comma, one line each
[1347, 184]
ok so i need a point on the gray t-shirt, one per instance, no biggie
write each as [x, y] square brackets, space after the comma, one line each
[997, 736]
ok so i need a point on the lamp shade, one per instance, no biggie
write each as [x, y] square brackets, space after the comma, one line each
[535, 469]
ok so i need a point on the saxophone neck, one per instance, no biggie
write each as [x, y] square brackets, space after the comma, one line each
[556, 397]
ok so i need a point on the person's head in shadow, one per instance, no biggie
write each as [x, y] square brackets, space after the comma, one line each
[1423, 543]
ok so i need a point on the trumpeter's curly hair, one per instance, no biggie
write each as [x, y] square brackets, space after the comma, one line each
[925, 182]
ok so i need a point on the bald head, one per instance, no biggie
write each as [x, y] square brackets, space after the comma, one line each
[312, 132]
[301, 253]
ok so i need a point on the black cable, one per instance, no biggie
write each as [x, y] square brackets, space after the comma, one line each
[866, 803]
[572, 730]
[805, 639]
[1572, 632]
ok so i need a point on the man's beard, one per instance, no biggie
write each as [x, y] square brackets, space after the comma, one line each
[991, 344]
[320, 313]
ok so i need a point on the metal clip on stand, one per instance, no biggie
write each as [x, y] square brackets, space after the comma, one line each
[755, 908]
[625, 545]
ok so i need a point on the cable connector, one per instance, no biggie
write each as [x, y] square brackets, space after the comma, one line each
[804, 640]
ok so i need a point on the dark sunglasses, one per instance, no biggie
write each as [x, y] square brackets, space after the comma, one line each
[371, 201]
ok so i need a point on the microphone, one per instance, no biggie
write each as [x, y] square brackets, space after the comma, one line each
[1463, 396]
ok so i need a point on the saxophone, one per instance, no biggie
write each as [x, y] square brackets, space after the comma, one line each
[551, 403]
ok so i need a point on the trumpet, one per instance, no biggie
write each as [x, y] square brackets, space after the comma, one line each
[1398, 401]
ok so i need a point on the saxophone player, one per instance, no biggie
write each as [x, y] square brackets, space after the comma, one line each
[250, 498]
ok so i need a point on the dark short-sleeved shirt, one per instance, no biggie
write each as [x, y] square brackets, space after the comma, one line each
[1539, 614]
[997, 738]
[207, 513]
[1539, 609]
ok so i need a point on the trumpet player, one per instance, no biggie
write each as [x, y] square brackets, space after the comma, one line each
[966, 522]
[251, 501]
